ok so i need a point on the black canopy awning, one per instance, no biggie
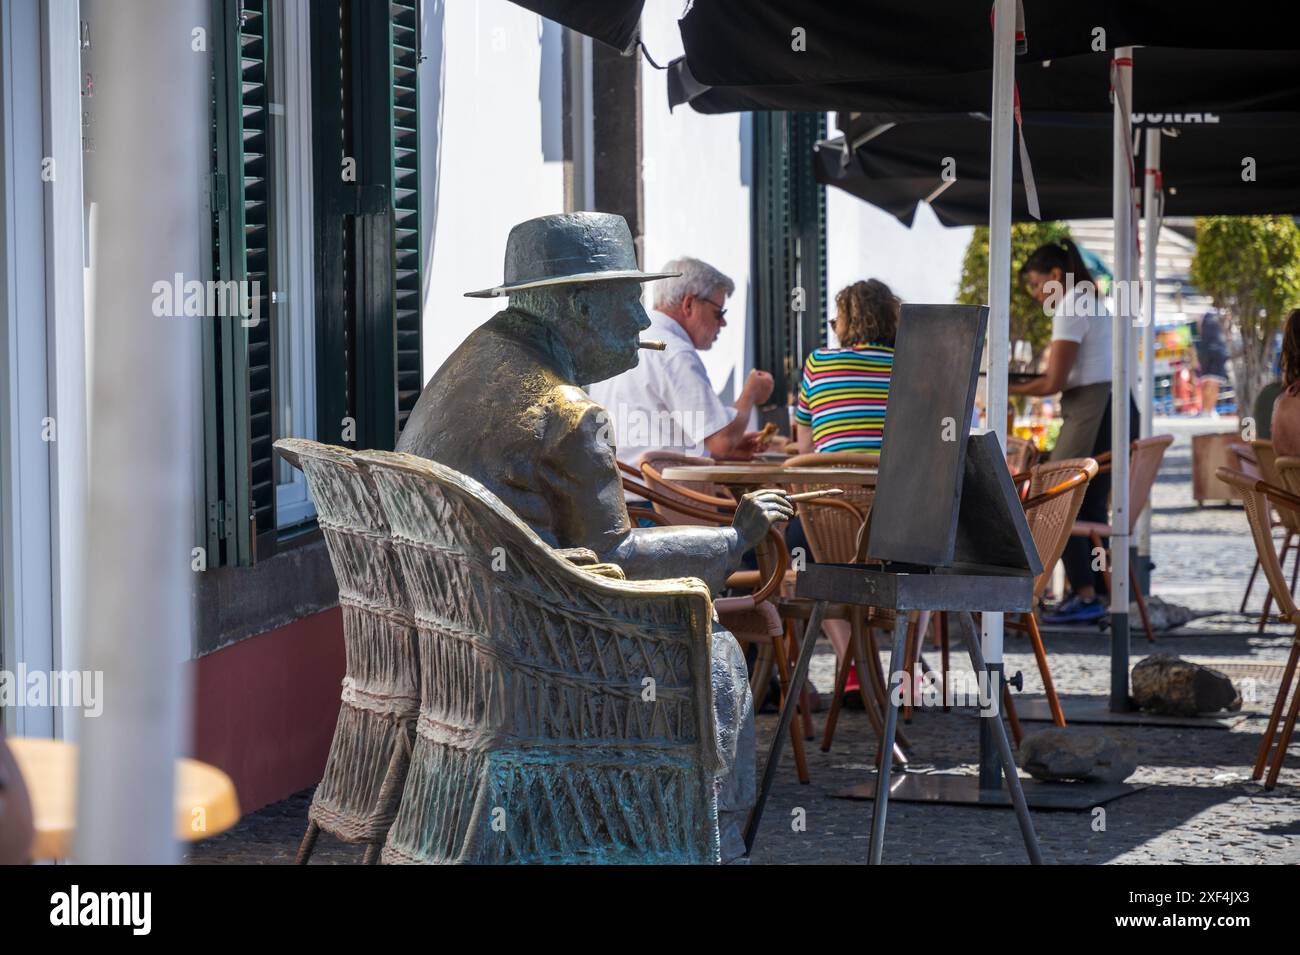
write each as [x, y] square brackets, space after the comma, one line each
[896, 167]
[797, 42]
[1164, 81]
[614, 22]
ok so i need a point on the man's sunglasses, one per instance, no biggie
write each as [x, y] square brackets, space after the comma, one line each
[722, 312]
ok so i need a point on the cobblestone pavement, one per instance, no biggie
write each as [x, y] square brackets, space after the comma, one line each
[1199, 805]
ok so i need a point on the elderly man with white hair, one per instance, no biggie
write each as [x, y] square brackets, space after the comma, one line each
[667, 402]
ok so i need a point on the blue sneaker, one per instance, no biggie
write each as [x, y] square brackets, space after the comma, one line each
[1077, 610]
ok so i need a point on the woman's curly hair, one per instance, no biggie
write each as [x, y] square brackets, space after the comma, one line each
[1291, 349]
[866, 313]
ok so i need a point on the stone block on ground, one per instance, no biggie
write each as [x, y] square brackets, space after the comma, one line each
[1063, 753]
[1164, 616]
[1176, 687]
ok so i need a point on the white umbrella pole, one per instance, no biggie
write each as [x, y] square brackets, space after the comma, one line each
[1122, 210]
[150, 111]
[1150, 239]
[1004, 67]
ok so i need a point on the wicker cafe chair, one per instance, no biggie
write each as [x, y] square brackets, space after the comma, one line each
[1257, 495]
[1022, 454]
[1259, 463]
[1283, 472]
[752, 618]
[835, 531]
[358, 795]
[536, 740]
[1144, 464]
[698, 495]
[1056, 490]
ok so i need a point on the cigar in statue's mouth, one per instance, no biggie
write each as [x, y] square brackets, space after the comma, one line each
[651, 344]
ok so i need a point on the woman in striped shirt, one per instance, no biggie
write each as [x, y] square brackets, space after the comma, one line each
[843, 391]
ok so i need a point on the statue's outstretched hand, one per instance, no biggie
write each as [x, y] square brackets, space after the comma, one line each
[759, 510]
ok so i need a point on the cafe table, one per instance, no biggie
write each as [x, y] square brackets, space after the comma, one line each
[757, 474]
[205, 796]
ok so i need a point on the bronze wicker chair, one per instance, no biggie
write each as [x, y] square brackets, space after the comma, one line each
[1257, 495]
[361, 788]
[565, 714]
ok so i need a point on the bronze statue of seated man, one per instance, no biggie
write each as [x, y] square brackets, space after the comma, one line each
[508, 409]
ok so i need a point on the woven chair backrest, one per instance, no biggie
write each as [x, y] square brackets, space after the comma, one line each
[657, 461]
[1259, 518]
[534, 691]
[1144, 465]
[1050, 521]
[1266, 464]
[361, 786]
[833, 531]
[1022, 454]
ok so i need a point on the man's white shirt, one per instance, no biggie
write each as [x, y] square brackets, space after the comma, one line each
[666, 402]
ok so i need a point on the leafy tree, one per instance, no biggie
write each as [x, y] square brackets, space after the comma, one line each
[1028, 320]
[1250, 267]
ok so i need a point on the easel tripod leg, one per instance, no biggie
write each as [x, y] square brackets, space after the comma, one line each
[1004, 747]
[797, 682]
[881, 806]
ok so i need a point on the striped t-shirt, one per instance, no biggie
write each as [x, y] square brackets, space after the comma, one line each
[842, 397]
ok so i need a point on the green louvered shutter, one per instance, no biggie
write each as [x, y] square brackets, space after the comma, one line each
[408, 258]
[239, 399]
[789, 245]
[365, 60]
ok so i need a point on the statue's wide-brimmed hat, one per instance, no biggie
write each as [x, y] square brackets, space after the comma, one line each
[569, 249]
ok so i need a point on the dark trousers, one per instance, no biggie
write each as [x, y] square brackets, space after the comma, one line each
[1077, 557]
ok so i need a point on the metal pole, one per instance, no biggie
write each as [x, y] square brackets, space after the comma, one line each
[150, 121]
[886, 763]
[1151, 238]
[1004, 74]
[1122, 210]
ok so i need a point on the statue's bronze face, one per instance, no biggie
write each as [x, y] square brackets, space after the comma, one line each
[598, 323]
[610, 318]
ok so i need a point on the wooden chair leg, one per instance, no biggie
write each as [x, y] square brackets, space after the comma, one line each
[1044, 671]
[308, 844]
[909, 668]
[1283, 690]
[1268, 593]
[796, 737]
[1142, 604]
[761, 677]
[1284, 741]
[1245, 599]
[841, 680]
[943, 655]
[790, 644]
[1012, 718]
[1295, 569]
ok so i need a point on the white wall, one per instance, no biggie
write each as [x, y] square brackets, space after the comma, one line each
[491, 117]
[920, 264]
[696, 170]
[483, 125]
